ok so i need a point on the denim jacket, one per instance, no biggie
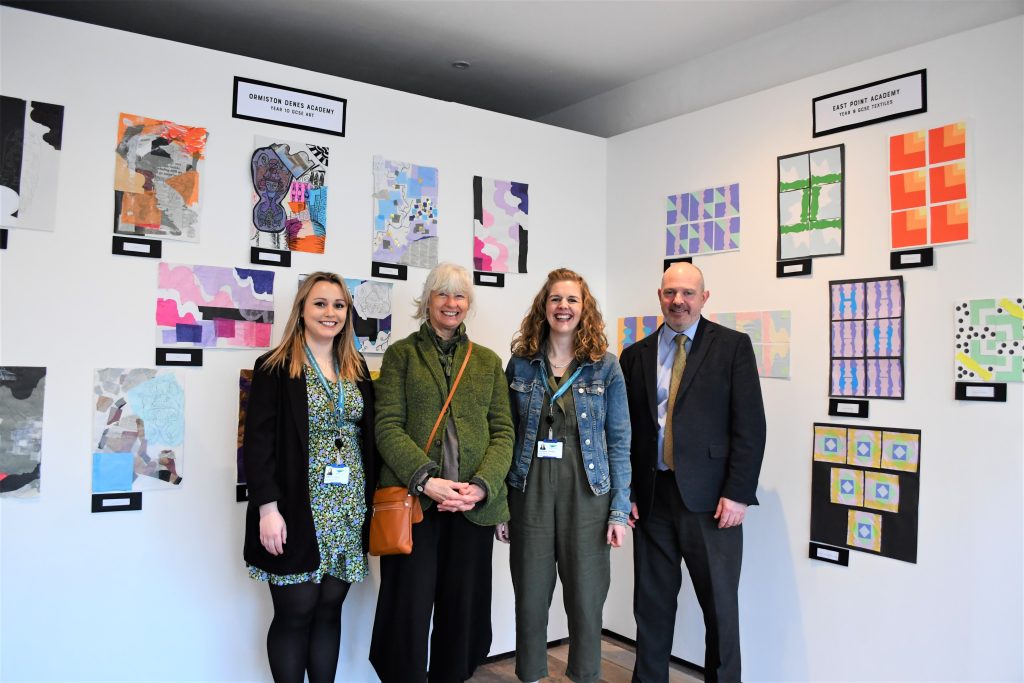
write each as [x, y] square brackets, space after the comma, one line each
[599, 394]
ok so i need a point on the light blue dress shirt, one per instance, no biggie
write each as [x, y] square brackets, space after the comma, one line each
[666, 357]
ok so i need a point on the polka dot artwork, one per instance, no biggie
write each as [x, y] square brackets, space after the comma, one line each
[989, 335]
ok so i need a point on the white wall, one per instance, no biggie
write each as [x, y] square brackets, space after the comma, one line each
[956, 614]
[163, 594]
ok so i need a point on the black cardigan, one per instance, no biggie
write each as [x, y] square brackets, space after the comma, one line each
[276, 454]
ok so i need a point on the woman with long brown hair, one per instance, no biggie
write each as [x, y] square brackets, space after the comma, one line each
[309, 458]
[572, 447]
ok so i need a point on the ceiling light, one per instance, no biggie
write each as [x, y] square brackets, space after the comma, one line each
[460, 64]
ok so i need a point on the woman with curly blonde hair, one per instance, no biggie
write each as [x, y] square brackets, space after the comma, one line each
[572, 446]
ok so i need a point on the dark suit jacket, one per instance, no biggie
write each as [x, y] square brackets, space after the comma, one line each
[718, 421]
[276, 454]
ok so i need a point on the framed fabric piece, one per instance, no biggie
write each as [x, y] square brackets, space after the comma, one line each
[810, 205]
[865, 487]
[866, 338]
[928, 187]
[706, 221]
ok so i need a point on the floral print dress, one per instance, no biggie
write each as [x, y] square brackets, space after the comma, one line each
[338, 509]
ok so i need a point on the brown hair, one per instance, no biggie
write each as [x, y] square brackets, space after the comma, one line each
[291, 349]
[589, 339]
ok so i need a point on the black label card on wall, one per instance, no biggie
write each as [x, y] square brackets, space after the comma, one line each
[391, 271]
[116, 502]
[136, 246]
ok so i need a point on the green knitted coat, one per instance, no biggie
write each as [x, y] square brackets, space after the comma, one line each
[410, 393]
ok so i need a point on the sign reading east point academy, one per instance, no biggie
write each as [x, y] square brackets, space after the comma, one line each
[269, 103]
[864, 105]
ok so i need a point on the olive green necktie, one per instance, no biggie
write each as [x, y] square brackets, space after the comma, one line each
[678, 365]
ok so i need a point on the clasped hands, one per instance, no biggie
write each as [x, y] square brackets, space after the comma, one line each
[453, 496]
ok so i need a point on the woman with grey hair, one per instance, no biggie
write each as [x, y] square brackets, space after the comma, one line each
[459, 477]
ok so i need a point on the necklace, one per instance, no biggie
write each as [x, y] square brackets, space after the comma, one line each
[559, 367]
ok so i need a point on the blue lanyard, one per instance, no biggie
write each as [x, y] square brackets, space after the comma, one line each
[565, 384]
[338, 396]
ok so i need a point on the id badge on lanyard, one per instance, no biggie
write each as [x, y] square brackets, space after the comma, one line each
[552, 447]
[337, 473]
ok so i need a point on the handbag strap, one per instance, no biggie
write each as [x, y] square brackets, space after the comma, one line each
[447, 402]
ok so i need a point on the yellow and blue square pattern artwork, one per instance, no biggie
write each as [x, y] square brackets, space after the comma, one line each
[882, 491]
[900, 451]
[864, 530]
[847, 487]
[864, 447]
[830, 444]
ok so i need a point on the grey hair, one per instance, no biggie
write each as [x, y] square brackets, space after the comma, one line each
[447, 278]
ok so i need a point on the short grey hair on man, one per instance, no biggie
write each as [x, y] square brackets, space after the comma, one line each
[447, 278]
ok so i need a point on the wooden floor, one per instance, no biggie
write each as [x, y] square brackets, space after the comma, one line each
[616, 667]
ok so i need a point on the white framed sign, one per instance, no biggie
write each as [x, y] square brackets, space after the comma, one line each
[863, 105]
[268, 103]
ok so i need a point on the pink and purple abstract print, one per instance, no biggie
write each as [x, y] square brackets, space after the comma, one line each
[501, 211]
[866, 338]
[214, 307]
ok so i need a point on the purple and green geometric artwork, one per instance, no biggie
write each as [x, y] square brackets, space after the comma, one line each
[289, 195]
[810, 190]
[703, 222]
[138, 429]
[214, 306]
[21, 430]
[866, 337]
[31, 134]
[405, 213]
[865, 488]
[371, 301]
[501, 215]
[633, 329]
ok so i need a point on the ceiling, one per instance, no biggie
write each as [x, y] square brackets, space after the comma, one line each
[528, 58]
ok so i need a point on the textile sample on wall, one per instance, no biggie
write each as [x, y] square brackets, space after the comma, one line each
[768, 332]
[214, 307]
[990, 340]
[30, 142]
[289, 198]
[405, 216]
[928, 186]
[244, 387]
[21, 430]
[811, 203]
[635, 328]
[138, 430]
[157, 169]
[501, 217]
[865, 486]
[866, 338]
[372, 322]
[703, 222]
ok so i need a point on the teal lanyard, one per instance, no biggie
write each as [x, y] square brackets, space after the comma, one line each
[563, 388]
[338, 394]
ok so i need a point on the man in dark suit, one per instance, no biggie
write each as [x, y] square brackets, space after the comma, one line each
[698, 440]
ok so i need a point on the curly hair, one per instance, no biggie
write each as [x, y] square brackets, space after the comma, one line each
[589, 339]
[290, 351]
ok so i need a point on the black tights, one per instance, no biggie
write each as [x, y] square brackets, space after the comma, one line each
[305, 634]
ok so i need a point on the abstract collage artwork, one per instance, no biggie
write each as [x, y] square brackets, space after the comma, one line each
[865, 487]
[703, 222]
[21, 430]
[244, 387]
[811, 203]
[501, 213]
[31, 134]
[289, 195]
[138, 429]
[157, 168]
[990, 340]
[866, 338]
[635, 328]
[214, 306]
[768, 332]
[372, 303]
[928, 186]
[405, 213]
